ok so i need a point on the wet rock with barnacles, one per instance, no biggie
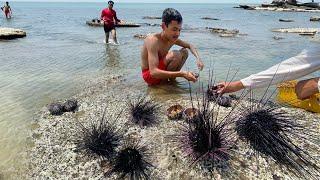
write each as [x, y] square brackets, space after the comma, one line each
[140, 36]
[315, 18]
[277, 37]
[151, 17]
[224, 32]
[210, 18]
[11, 33]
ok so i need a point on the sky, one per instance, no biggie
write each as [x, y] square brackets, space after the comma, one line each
[157, 1]
[164, 1]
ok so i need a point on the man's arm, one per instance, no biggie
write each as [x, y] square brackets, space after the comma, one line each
[116, 18]
[304, 89]
[153, 61]
[193, 50]
[308, 61]
[102, 15]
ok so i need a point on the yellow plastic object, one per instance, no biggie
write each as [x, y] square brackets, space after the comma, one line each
[287, 95]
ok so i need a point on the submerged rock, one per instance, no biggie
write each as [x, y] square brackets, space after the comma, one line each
[223, 31]
[307, 34]
[11, 33]
[140, 36]
[227, 35]
[296, 30]
[99, 23]
[247, 7]
[150, 24]
[209, 18]
[151, 17]
[286, 20]
[277, 38]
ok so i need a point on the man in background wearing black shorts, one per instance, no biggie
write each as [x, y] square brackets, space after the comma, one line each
[109, 18]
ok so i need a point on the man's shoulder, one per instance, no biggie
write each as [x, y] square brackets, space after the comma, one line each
[152, 38]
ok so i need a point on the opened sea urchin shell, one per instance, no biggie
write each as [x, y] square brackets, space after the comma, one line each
[189, 113]
[175, 112]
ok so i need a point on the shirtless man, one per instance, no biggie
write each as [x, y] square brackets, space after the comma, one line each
[158, 64]
[7, 10]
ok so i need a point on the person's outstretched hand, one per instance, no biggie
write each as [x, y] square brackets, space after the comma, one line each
[190, 76]
[229, 87]
[200, 64]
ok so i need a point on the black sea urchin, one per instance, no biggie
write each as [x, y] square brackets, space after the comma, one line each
[269, 132]
[55, 109]
[144, 111]
[70, 105]
[206, 138]
[99, 139]
[132, 162]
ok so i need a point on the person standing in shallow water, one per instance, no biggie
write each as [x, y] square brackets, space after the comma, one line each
[158, 64]
[7, 10]
[109, 18]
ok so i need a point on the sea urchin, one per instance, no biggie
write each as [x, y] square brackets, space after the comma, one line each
[144, 111]
[132, 162]
[269, 132]
[99, 139]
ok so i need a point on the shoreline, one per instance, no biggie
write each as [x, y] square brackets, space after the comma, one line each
[53, 149]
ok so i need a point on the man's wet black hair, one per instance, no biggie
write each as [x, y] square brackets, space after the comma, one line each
[110, 2]
[171, 14]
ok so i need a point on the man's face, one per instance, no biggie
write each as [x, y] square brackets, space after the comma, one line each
[172, 32]
[110, 5]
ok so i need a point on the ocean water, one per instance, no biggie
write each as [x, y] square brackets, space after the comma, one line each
[61, 54]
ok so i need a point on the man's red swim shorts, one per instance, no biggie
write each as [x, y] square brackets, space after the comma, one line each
[147, 76]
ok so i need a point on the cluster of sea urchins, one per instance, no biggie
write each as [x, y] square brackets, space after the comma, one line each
[131, 162]
[58, 108]
[99, 139]
[144, 112]
[206, 138]
[269, 131]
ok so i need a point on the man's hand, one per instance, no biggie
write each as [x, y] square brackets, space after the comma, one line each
[190, 76]
[229, 87]
[200, 64]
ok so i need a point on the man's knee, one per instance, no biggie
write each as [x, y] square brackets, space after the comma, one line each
[184, 53]
[305, 88]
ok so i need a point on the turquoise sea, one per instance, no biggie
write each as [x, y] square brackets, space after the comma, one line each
[61, 54]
